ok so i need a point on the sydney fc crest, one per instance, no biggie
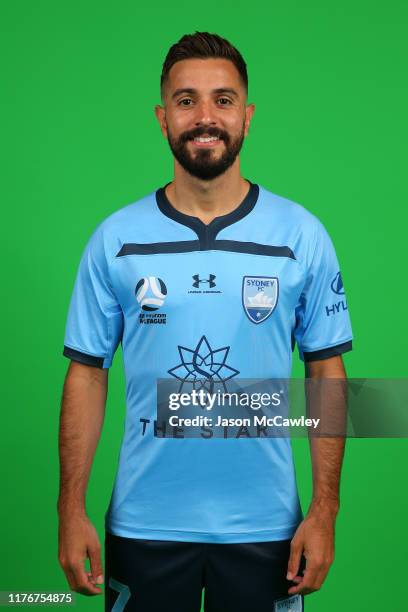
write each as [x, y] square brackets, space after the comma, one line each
[259, 297]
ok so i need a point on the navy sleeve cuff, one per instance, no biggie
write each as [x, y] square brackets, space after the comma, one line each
[326, 353]
[91, 360]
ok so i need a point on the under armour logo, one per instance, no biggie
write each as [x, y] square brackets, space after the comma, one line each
[210, 280]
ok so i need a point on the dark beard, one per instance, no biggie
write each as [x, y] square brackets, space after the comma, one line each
[202, 165]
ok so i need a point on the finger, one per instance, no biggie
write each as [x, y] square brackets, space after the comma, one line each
[322, 569]
[311, 581]
[82, 584]
[306, 582]
[70, 579]
[294, 560]
[76, 585]
[321, 577]
[301, 589]
[96, 564]
[68, 574]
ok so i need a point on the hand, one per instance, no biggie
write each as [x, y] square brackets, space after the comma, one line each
[78, 541]
[315, 539]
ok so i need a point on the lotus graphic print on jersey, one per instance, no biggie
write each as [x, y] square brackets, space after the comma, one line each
[202, 367]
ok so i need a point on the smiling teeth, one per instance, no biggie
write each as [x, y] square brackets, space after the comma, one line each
[210, 139]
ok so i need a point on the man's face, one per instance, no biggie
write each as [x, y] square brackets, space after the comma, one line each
[205, 117]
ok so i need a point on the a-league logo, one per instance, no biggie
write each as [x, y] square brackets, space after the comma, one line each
[150, 292]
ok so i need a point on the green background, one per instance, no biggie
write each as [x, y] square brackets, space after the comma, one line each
[79, 141]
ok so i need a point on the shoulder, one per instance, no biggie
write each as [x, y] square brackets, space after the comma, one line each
[288, 212]
[292, 223]
[134, 222]
[139, 211]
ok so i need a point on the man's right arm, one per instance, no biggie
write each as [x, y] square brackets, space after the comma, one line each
[82, 414]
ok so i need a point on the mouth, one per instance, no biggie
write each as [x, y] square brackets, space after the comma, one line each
[206, 141]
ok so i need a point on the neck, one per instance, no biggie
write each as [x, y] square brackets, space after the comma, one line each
[207, 199]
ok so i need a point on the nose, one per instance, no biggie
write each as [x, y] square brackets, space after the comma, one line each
[205, 114]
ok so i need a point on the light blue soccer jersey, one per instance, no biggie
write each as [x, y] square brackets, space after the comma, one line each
[228, 300]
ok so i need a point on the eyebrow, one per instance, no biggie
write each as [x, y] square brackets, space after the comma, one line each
[219, 90]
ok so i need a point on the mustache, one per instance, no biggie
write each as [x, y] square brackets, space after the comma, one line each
[200, 131]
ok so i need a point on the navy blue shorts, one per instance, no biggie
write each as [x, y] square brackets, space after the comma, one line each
[158, 576]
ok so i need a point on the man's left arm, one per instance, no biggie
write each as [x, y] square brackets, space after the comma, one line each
[314, 537]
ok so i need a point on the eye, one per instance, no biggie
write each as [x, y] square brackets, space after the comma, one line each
[185, 102]
[224, 101]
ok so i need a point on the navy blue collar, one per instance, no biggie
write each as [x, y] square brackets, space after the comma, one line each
[207, 232]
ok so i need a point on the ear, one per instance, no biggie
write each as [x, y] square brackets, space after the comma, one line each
[249, 111]
[161, 118]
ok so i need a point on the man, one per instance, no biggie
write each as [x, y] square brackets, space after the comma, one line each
[209, 280]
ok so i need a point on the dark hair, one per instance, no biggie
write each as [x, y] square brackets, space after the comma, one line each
[203, 45]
